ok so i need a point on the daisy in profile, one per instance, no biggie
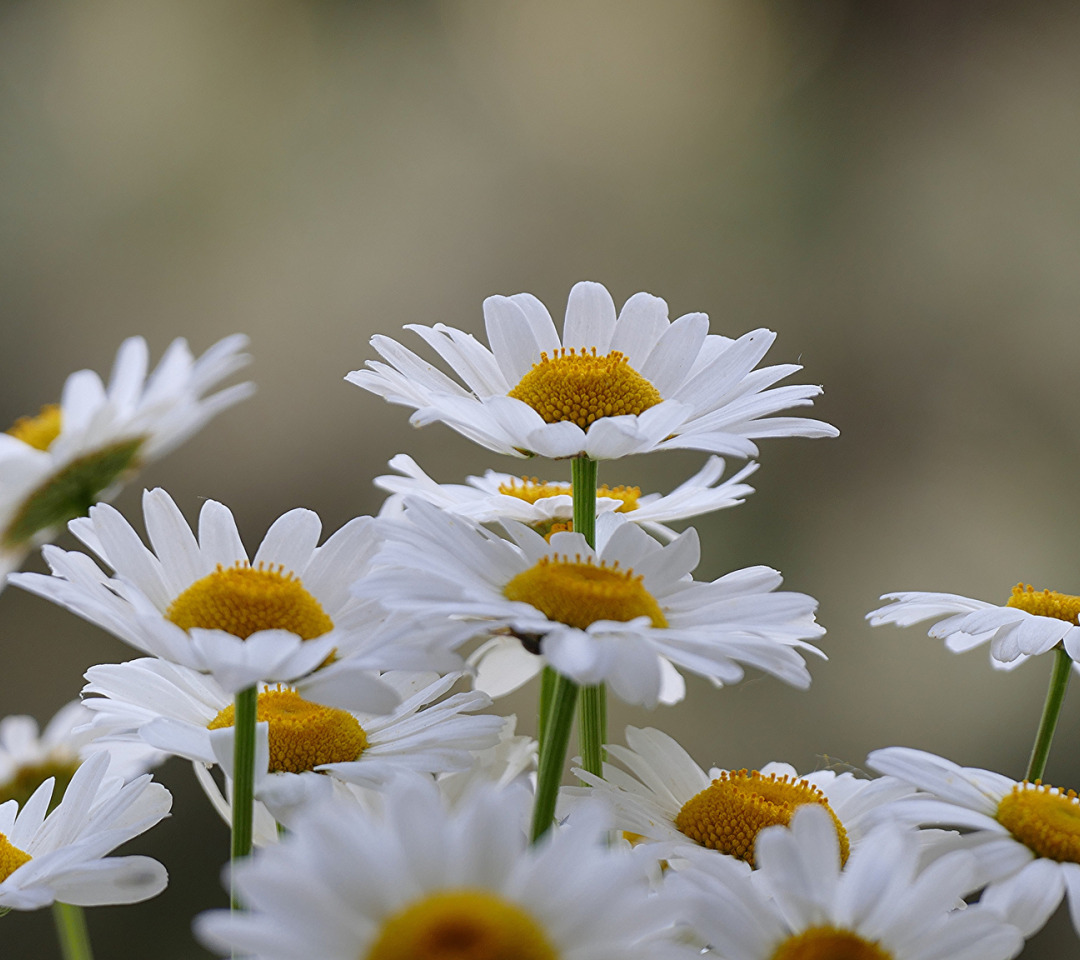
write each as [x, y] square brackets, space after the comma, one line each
[54, 466]
[424, 881]
[203, 603]
[663, 796]
[1026, 836]
[549, 507]
[45, 857]
[613, 614]
[1029, 623]
[29, 756]
[302, 746]
[609, 386]
[879, 906]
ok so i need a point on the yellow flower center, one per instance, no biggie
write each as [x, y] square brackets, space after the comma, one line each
[579, 594]
[1044, 819]
[531, 489]
[728, 814]
[829, 943]
[1045, 603]
[583, 387]
[11, 858]
[461, 925]
[242, 600]
[29, 777]
[303, 735]
[39, 431]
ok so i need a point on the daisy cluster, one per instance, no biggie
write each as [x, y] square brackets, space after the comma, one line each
[335, 695]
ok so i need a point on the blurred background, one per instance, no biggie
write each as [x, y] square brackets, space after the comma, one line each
[890, 186]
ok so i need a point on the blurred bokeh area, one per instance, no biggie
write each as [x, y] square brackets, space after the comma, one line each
[891, 186]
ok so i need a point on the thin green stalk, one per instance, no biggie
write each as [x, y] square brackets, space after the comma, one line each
[553, 753]
[1055, 697]
[592, 718]
[243, 800]
[547, 691]
[71, 931]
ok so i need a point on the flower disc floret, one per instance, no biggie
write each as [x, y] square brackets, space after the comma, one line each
[303, 734]
[461, 925]
[1045, 603]
[532, 489]
[38, 431]
[242, 600]
[729, 813]
[1043, 818]
[829, 943]
[580, 593]
[11, 858]
[28, 777]
[583, 387]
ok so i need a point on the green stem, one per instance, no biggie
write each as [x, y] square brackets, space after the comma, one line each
[1055, 697]
[548, 677]
[243, 800]
[553, 753]
[583, 489]
[71, 931]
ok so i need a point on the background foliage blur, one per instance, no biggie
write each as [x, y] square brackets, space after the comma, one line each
[891, 186]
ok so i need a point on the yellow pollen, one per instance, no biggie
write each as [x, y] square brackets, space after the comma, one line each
[242, 600]
[27, 778]
[578, 594]
[1043, 818]
[728, 814]
[531, 489]
[11, 858]
[303, 735]
[39, 431]
[583, 387]
[1045, 603]
[461, 925]
[829, 943]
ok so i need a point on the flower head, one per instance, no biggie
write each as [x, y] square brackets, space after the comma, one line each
[608, 387]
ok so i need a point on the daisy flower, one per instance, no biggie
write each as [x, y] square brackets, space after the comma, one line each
[1025, 835]
[664, 796]
[61, 855]
[608, 387]
[424, 881]
[55, 465]
[1029, 623]
[611, 615]
[549, 507]
[302, 745]
[29, 757]
[878, 907]
[204, 604]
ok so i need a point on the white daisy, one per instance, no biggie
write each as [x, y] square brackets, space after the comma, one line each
[28, 757]
[611, 615]
[62, 855]
[802, 905]
[512, 759]
[1031, 622]
[424, 881]
[609, 387]
[55, 466]
[1026, 836]
[664, 796]
[301, 744]
[548, 506]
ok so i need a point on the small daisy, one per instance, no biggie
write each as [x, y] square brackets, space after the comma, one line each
[203, 604]
[804, 906]
[1030, 622]
[304, 744]
[1025, 835]
[609, 387]
[62, 855]
[666, 797]
[29, 757]
[610, 615]
[424, 881]
[56, 465]
[549, 507]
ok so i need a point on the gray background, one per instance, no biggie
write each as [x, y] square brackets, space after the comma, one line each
[890, 186]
